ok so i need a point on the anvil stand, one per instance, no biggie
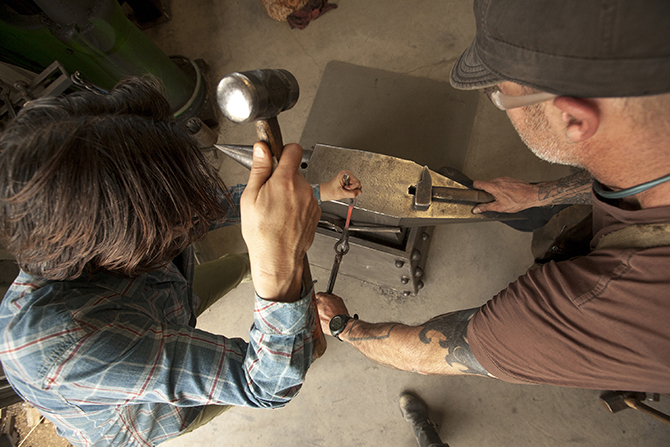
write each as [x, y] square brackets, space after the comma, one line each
[393, 260]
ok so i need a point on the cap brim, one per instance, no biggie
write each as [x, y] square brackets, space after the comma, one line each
[469, 73]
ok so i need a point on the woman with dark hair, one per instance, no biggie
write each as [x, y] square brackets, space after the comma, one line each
[102, 197]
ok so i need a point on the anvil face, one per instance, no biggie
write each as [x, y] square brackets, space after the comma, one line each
[386, 180]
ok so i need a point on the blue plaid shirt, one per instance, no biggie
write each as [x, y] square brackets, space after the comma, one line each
[112, 360]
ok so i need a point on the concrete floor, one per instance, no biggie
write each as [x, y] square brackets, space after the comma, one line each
[348, 400]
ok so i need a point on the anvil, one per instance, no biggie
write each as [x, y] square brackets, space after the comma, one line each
[389, 187]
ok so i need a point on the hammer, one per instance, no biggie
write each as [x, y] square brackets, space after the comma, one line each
[615, 401]
[259, 96]
[425, 193]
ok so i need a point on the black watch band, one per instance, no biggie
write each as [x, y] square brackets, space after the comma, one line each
[338, 323]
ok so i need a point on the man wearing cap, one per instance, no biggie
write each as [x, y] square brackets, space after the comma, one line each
[585, 84]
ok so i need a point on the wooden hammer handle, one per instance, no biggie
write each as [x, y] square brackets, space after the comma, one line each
[268, 132]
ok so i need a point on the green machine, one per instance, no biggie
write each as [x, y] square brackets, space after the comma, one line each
[95, 38]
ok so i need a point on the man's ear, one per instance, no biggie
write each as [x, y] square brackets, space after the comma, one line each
[580, 116]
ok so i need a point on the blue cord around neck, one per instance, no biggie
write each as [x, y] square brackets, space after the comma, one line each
[598, 188]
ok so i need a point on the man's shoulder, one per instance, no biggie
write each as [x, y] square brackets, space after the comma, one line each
[34, 324]
[586, 311]
[43, 323]
[42, 312]
[31, 294]
[610, 272]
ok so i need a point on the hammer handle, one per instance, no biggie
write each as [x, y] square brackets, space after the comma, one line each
[458, 195]
[636, 404]
[268, 132]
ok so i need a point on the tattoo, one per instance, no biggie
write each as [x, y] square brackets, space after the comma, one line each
[572, 190]
[383, 333]
[453, 329]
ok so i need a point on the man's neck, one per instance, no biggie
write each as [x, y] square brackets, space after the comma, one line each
[628, 160]
[629, 148]
[656, 196]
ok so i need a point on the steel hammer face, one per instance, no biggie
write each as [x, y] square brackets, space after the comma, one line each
[257, 94]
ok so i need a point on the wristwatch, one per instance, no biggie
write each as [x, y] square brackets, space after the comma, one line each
[338, 323]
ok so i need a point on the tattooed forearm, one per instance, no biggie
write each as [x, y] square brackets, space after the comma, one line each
[450, 331]
[422, 348]
[572, 190]
[379, 332]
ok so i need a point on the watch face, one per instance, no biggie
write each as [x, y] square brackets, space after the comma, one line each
[336, 324]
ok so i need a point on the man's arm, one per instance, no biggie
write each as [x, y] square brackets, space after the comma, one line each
[514, 195]
[279, 218]
[439, 346]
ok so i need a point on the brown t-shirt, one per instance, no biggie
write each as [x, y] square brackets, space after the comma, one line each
[601, 321]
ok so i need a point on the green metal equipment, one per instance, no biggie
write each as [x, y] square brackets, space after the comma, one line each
[95, 38]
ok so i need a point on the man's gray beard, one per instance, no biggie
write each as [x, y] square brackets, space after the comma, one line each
[536, 134]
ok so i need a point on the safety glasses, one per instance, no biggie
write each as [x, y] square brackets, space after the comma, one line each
[507, 102]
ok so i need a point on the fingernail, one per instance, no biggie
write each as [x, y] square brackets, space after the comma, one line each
[476, 210]
[258, 152]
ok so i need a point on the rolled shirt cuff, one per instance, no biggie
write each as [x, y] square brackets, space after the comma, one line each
[277, 318]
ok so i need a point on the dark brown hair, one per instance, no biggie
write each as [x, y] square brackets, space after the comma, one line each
[108, 182]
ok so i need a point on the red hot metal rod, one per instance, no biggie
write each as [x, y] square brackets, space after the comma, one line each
[342, 245]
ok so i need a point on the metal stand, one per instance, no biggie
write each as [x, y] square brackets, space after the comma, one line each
[392, 260]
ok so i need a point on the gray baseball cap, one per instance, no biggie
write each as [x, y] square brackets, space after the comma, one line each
[583, 48]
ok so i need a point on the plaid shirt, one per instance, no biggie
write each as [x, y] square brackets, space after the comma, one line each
[117, 361]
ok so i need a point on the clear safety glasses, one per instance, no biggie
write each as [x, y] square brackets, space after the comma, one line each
[507, 102]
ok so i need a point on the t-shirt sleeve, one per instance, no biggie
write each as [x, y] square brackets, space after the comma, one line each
[573, 324]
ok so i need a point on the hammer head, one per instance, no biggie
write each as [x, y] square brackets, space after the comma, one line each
[424, 191]
[257, 94]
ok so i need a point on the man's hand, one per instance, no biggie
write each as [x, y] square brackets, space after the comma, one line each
[279, 218]
[328, 306]
[335, 189]
[512, 195]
